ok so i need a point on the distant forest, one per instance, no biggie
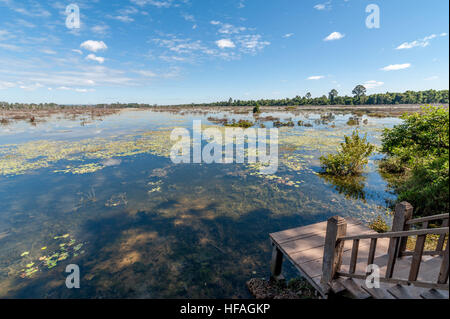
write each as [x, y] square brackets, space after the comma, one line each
[359, 98]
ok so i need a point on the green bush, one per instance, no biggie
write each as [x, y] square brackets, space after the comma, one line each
[418, 154]
[241, 123]
[379, 225]
[256, 109]
[351, 158]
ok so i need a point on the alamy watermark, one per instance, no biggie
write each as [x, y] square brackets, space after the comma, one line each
[373, 19]
[73, 16]
[222, 143]
[373, 277]
[73, 279]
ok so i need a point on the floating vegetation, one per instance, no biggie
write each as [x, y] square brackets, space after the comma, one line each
[283, 124]
[156, 187]
[117, 200]
[62, 251]
[303, 123]
[353, 121]
[82, 169]
[20, 158]
[241, 123]
[255, 170]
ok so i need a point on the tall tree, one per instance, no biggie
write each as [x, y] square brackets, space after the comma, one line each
[332, 95]
[359, 91]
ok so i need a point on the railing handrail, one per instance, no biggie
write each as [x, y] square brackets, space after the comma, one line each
[408, 233]
[427, 219]
[336, 237]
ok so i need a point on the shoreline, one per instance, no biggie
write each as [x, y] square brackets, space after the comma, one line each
[94, 112]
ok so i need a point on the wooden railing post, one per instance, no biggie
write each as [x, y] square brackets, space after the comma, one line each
[397, 246]
[403, 213]
[332, 253]
[443, 273]
[276, 264]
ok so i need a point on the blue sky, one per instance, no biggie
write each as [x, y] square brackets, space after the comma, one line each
[182, 51]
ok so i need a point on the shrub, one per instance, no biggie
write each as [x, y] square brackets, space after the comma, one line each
[418, 155]
[241, 123]
[379, 225]
[351, 158]
[256, 109]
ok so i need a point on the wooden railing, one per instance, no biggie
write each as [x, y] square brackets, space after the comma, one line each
[402, 229]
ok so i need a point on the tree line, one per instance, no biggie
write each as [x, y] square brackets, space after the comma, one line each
[359, 98]
[333, 98]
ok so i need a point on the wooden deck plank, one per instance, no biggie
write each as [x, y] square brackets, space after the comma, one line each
[303, 247]
[433, 294]
[305, 231]
[311, 241]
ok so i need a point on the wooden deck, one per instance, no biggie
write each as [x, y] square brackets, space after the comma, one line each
[304, 248]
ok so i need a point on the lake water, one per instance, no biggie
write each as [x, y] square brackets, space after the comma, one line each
[103, 194]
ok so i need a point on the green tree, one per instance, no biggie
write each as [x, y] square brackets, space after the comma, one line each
[332, 95]
[359, 91]
[418, 153]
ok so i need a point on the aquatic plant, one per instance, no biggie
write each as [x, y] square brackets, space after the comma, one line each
[353, 121]
[117, 200]
[283, 124]
[64, 248]
[241, 123]
[20, 158]
[351, 158]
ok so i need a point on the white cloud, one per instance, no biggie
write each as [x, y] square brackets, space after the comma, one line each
[79, 90]
[431, 78]
[323, 6]
[156, 3]
[5, 35]
[189, 17]
[316, 77]
[319, 7]
[225, 43]
[125, 19]
[396, 67]
[226, 28]
[77, 51]
[148, 74]
[334, 36]
[94, 46]
[251, 43]
[6, 85]
[31, 87]
[372, 84]
[417, 43]
[100, 29]
[10, 47]
[288, 35]
[95, 58]
[48, 51]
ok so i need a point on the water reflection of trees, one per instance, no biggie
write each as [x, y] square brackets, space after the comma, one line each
[351, 186]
